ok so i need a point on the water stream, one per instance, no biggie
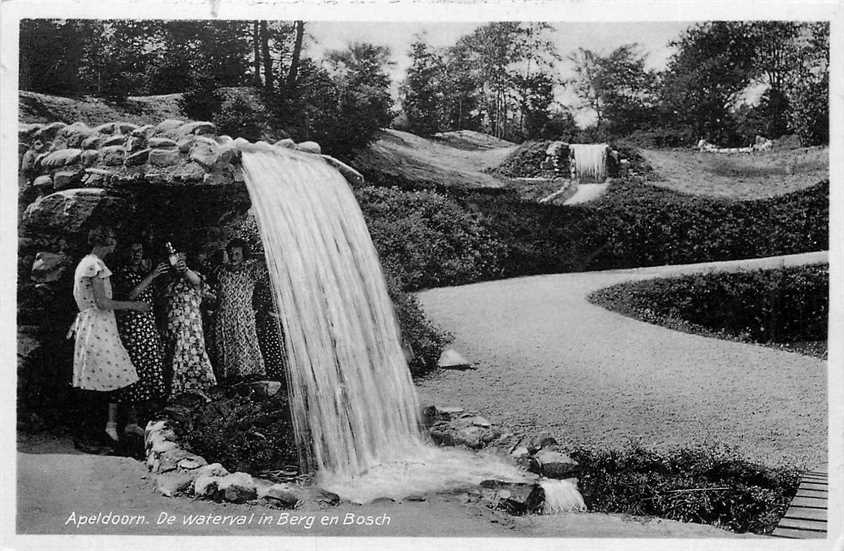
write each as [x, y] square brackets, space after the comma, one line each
[355, 410]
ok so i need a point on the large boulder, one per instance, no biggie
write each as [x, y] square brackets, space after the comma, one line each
[71, 210]
[49, 267]
[237, 488]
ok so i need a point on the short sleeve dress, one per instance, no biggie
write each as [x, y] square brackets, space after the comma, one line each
[139, 334]
[191, 367]
[100, 362]
[236, 340]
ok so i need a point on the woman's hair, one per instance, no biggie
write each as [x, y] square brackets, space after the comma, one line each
[98, 236]
[238, 243]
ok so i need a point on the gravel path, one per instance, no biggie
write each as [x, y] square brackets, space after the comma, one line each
[549, 360]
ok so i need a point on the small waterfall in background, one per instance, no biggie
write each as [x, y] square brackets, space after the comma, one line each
[590, 161]
[354, 406]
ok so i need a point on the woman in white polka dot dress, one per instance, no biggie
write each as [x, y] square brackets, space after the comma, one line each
[100, 362]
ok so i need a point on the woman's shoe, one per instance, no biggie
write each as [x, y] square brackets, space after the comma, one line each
[111, 431]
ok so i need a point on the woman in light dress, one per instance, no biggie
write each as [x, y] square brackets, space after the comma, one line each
[191, 367]
[236, 339]
[100, 362]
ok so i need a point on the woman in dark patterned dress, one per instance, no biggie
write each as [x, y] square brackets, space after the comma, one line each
[267, 325]
[139, 334]
[235, 335]
[192, 371]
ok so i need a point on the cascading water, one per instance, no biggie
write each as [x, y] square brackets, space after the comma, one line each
[354, 407]
[590, 161]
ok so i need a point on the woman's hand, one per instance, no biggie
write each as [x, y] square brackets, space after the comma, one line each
[142, 307]
[161, 269]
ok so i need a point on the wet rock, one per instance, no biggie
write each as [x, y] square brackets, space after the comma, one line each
[96, 177]
[75, 134]
[146, 131]
[118, 139]
[138, 158]
[61, 158]
[112, 155]
[93, 141]
[329, 498]
[28, 161]
[237, 488]
[135, 143]
[516, 498]
[309, 147]
[162, 143]
[64, 179]
[350, 174]
[554, 464]
[168, 125]
[90, 157]
[43, 183]
[173, 484]
[69, 211]
[47, 133]
[169, 460]
[280, 495]
[191, 462]
[204, 153]
[542, 440]
[286, 142]
[212, 469]
[206, 486]
[470, 436]
[164, 157]
[48, 267]
[451, 359]
[197, 128]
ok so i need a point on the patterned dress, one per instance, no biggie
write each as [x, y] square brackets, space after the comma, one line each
[268, 328]
[139, 334]
[191, 368]
[235, 334]
[100, 362]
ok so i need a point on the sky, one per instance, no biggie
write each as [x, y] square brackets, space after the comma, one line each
[602, 37]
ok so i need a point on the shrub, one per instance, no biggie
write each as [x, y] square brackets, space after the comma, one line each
[238, 117]
[765, 306]
[636, 224]
[525, 161]
[703, 485]
[426, 239]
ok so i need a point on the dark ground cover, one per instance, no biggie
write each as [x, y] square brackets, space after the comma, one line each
[785, 308]
[431, 239]
[708, 486]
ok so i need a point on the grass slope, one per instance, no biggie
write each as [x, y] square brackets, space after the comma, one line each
[738, 176]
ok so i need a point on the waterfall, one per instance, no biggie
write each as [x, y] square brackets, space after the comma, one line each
[590, 161]
[353, 403]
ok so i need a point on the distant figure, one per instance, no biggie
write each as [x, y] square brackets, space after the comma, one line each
[236, 339]
[139, 333]
[100, 362]
[192, 371]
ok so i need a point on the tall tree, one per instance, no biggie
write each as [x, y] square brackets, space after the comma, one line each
[712, 65]
[256, 54]
[422, 92]
[293, 70]
[265, 54]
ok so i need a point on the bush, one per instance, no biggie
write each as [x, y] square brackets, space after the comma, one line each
[525, 161]
[426, 239]
[238, 117]
[202, 100]
[703, 485]
[636, 224]
[765, 306]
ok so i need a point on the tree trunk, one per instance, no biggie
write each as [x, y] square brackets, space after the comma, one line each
[256, 43]
[265, 55]
[292, 74]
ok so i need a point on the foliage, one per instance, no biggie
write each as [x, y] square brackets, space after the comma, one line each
[525, 161]
[239, 117]
[809, 116]
[422, 90]
[787, 305]
[202, 100]
[636, 224]
[617, 87]
[425, 239]
[243, 433]
[703, 485]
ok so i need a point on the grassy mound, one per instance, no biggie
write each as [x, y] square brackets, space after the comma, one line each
[524, 161]
[707, 486]
[786, 308]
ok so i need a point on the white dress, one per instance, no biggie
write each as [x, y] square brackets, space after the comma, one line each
[100, 362]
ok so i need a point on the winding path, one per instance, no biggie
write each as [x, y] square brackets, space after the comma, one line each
[547, 359]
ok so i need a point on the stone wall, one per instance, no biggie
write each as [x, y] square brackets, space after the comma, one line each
[175, 181]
